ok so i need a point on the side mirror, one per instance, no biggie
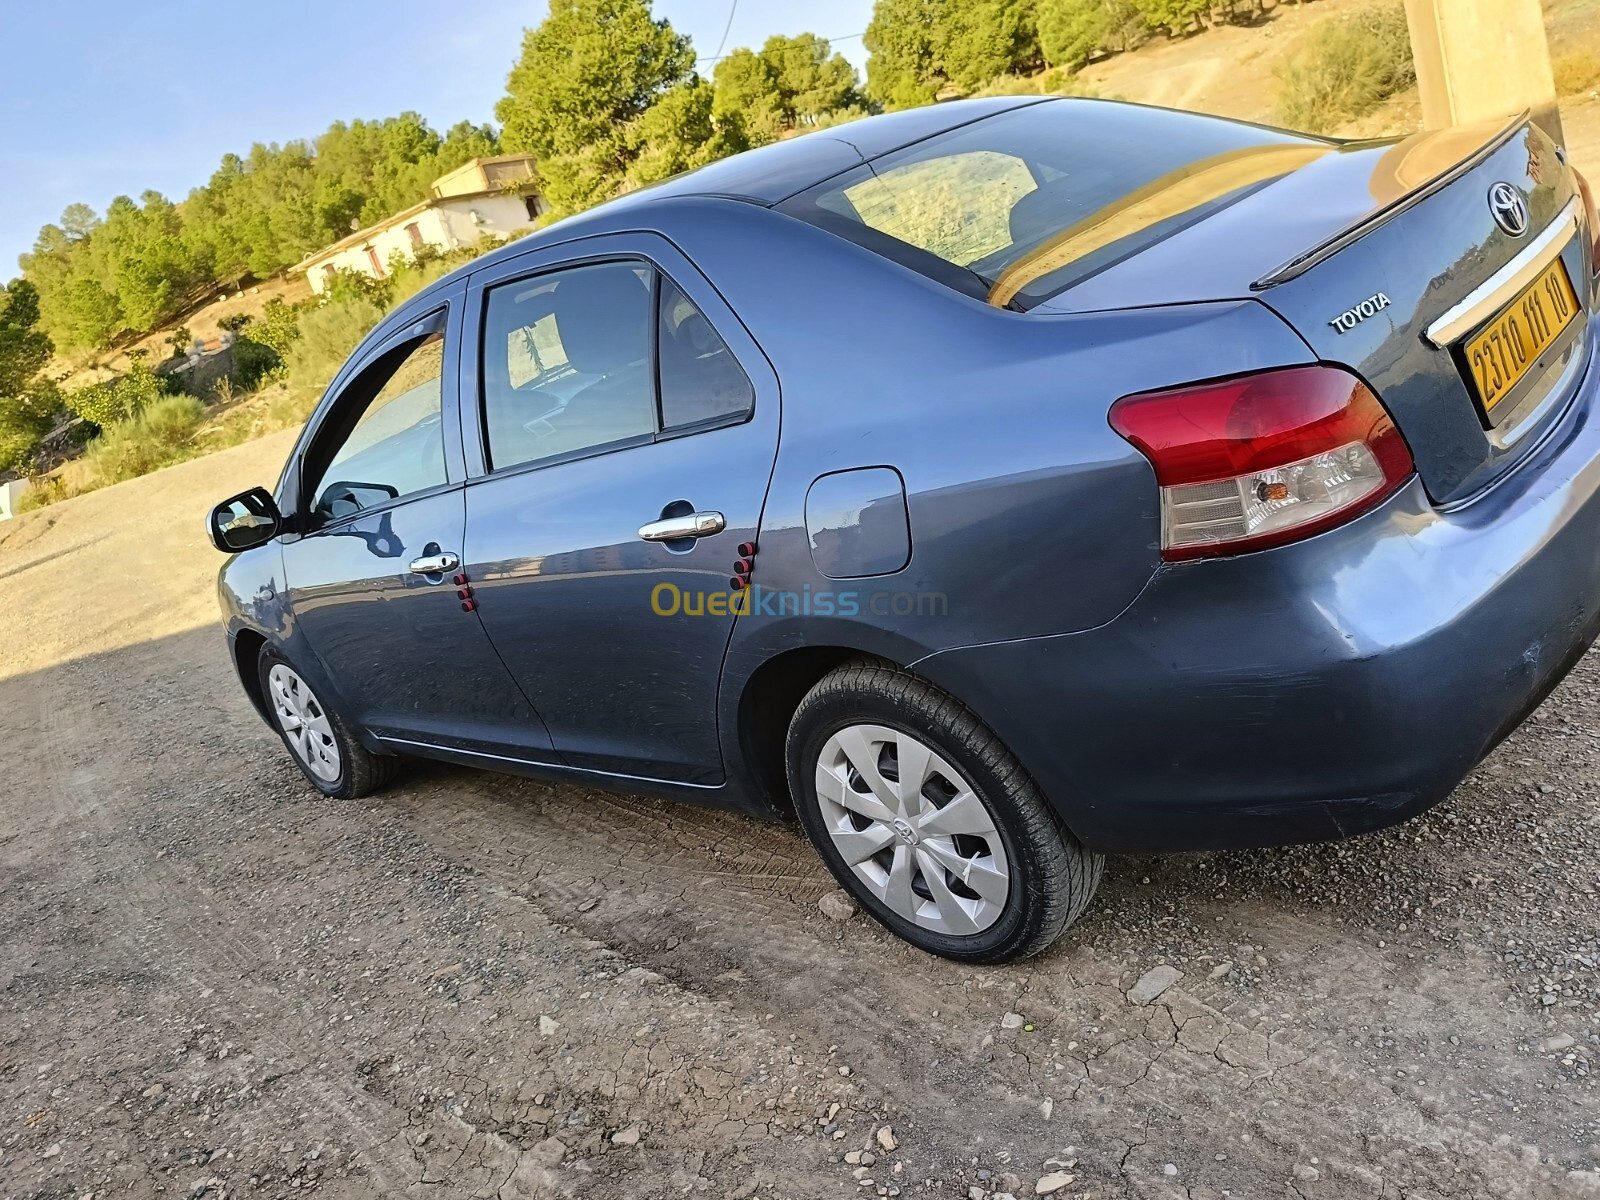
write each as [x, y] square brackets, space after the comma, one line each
[244, 522]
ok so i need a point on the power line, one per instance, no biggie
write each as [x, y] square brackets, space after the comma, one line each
[706, 58]
[732, 8]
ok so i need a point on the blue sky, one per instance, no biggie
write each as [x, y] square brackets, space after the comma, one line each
[100, 98]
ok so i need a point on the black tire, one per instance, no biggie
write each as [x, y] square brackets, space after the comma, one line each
[1053, 876]
[359, 771]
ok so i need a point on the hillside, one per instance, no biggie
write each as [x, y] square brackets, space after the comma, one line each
[203, 323]
[1231, 70]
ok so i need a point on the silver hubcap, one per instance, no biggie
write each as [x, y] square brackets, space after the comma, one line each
[304, 723]
[912, 829]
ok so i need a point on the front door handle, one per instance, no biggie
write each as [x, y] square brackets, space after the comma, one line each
[691, 525]
[435, 564]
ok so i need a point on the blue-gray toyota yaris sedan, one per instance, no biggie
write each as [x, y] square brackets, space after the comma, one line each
[992, 485]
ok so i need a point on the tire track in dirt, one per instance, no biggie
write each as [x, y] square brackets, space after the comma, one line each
[669, 902]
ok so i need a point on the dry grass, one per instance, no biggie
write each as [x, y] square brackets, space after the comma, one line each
[163, 434]
[279, 406]
[1057, 81]
[1577, 72]
[1345, 68]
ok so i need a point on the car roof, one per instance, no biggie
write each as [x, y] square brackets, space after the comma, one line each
[766, 176]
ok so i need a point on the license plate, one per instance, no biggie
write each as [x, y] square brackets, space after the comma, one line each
[1511, 344]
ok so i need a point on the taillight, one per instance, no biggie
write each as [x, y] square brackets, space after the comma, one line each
[1590, 222]
[1261, 460]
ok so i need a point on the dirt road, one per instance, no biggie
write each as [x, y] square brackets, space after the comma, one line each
[212, 982]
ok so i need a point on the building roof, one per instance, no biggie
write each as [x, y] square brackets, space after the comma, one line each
[483, 167]
[440, 194]
[400, 218]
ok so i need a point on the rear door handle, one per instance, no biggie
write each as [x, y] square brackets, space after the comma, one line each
[435, 564]
[693, 525]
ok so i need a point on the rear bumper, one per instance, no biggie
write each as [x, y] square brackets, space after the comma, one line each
[1313, 691]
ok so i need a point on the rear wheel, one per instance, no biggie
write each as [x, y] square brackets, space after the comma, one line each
[929, 821]
[321, 744]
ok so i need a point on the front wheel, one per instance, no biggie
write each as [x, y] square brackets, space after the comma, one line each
[319, 741]
[930, 822]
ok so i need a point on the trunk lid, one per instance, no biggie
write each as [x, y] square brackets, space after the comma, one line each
[1387, 258]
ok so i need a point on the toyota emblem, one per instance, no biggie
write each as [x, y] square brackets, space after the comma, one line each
[1510, 209]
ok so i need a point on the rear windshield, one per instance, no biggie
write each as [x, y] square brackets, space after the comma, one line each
[1018, 207]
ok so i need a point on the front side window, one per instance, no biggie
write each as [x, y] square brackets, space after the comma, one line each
[389, 441]
[594, 357]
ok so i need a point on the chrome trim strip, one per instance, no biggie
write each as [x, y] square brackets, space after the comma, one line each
[1495, 292]
[1302, 263]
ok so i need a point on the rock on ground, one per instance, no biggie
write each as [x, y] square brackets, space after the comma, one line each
[837, 905]
[1153, 982]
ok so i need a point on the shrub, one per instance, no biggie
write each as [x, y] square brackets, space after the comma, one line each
[16, 450]
[119, 399]
[253, 362]
[236, 322]
[279, 324]
[426, 253]
[1009, 85]
[25, 419]
[407, 283]
[326, 336]
[41, 492]
[160, 435]
[1056, 81]
[1345, 68]
[1576, 71]
[180, 339]
[345, 285]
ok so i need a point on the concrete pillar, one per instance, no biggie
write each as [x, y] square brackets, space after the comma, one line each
[1478, 60]
[10, 493]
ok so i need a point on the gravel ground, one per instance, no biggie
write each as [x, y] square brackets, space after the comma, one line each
[214, 983]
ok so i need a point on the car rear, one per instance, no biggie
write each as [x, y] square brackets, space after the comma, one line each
[1486, 276]
[1376, 561]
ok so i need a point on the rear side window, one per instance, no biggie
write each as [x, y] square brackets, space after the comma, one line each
[1018, 207]
[701, 381]
[597, 357]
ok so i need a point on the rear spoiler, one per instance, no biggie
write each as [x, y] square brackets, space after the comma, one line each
[1324, 250]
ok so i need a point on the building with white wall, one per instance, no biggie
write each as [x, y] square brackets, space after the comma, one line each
[487, 196]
